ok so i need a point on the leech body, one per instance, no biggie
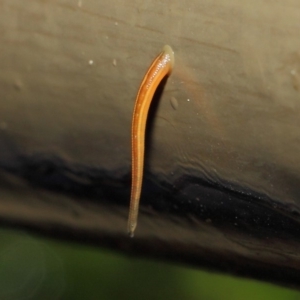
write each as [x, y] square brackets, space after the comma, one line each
[161, 67]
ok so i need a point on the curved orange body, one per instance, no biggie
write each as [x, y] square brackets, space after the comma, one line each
[160, 68]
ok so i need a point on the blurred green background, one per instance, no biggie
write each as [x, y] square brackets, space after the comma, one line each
[36, 268]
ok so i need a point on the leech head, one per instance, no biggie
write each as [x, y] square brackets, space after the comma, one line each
[170, 53]
[165, 61]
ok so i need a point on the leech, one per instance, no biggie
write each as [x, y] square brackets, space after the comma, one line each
[161, 67]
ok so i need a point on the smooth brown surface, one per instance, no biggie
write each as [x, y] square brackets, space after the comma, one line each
[227, 121]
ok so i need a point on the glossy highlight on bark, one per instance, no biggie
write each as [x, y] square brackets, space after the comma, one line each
[161, 67]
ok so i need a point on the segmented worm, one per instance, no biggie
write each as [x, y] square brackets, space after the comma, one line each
[161, 67]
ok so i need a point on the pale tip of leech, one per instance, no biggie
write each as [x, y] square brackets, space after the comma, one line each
[169, 51]
[131, 228]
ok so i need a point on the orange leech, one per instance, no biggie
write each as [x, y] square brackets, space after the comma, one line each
[161, 67]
